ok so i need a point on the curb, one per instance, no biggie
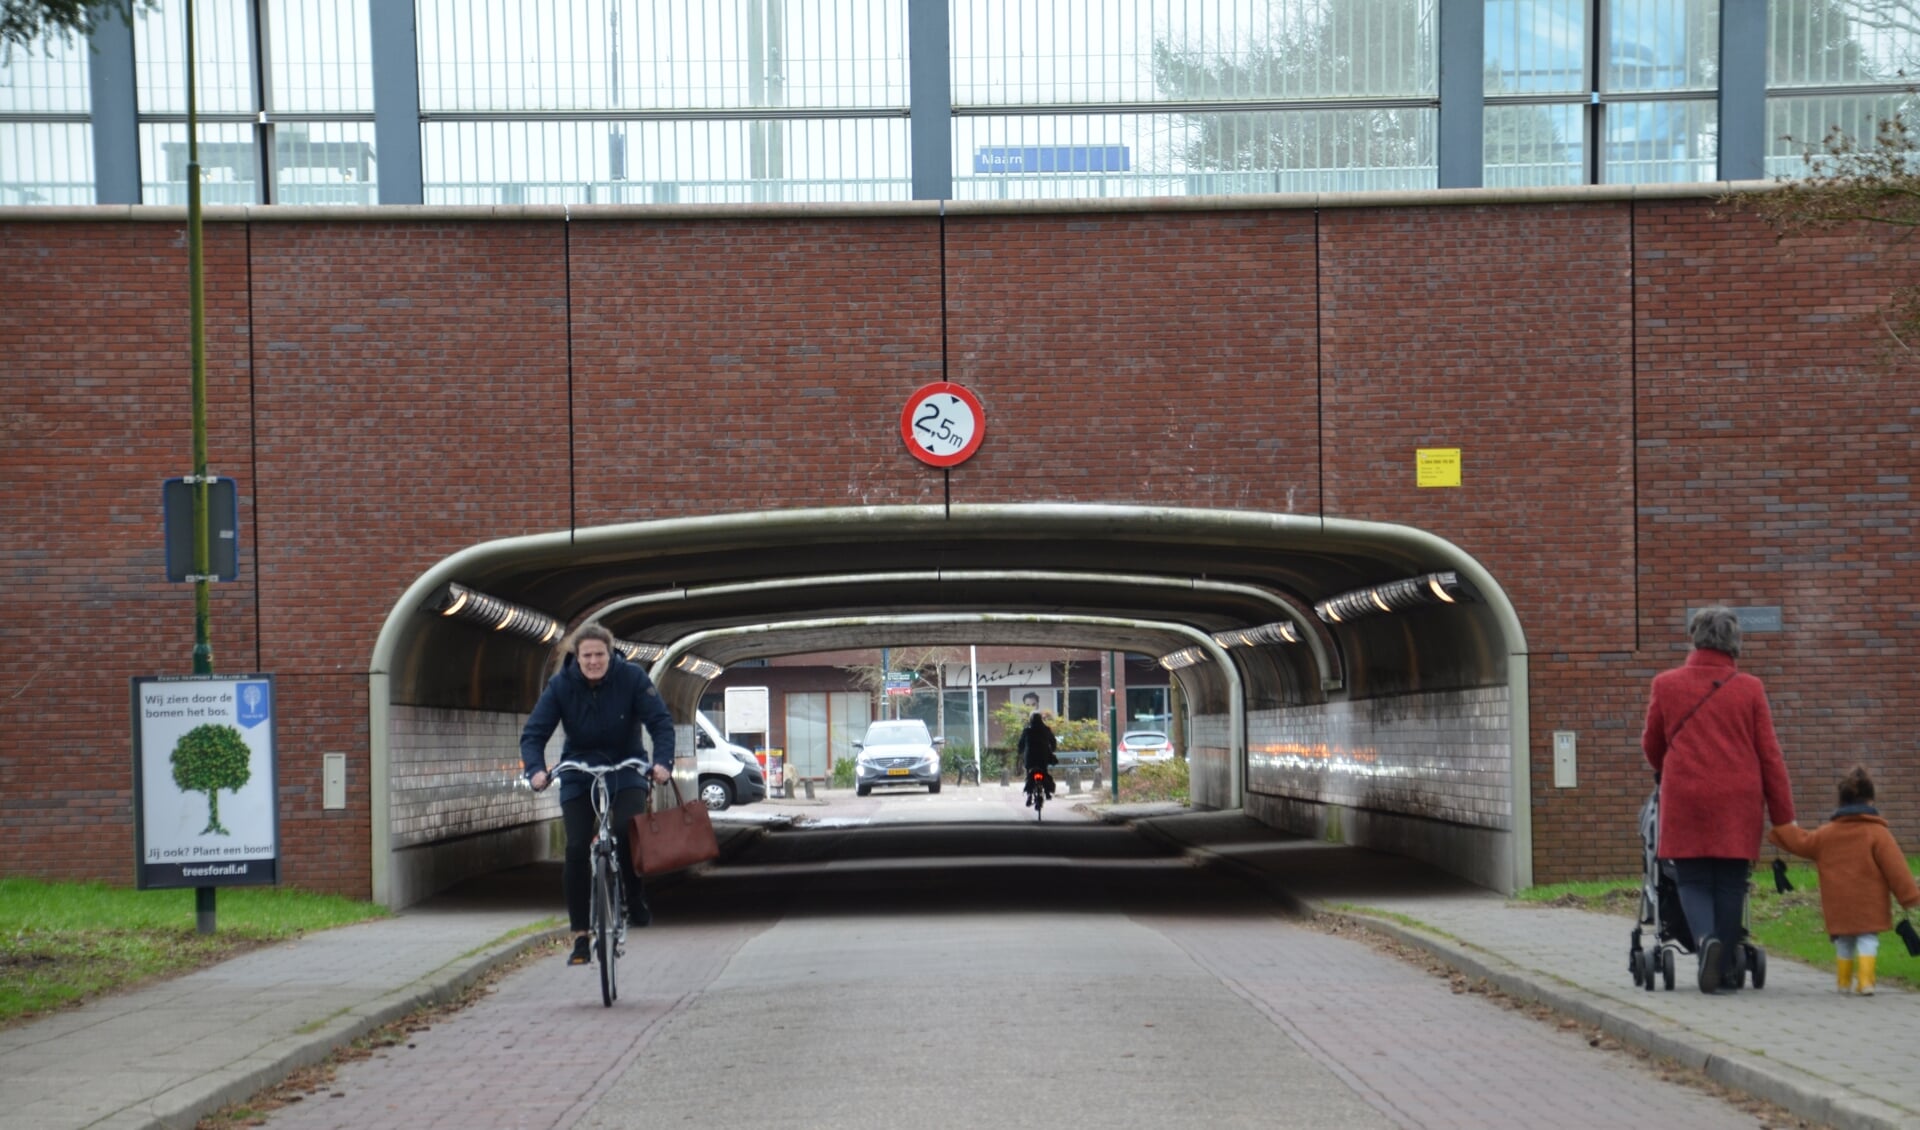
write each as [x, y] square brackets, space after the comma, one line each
[1800, 1092]
[182, 1107]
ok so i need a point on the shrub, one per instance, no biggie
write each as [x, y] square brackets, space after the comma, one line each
[843, 773]
[1160, 781]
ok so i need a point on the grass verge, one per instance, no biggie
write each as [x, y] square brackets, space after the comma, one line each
[67, 943]
[1785, 924]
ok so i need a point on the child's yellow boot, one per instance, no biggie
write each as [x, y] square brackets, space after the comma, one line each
[1843, 973]
[1864, 970]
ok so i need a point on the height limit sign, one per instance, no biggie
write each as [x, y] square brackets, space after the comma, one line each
[943, 424]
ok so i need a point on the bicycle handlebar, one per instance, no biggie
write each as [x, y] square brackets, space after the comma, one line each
[591, 770]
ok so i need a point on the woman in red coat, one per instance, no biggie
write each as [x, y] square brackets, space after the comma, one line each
[1710, 740]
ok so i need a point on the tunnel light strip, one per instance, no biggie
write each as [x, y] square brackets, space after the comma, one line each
[1394, 596]
[634, 652]
[462, 603]
[1185, 657]
[702, 668]
[1280, 632]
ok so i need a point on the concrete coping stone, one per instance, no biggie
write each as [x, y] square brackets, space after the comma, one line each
[877, 210]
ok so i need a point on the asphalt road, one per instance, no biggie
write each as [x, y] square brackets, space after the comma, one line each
[991, 974]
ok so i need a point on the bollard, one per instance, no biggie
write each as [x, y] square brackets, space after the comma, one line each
[1073, 781]
[1096, 780]
[809, 784]
[1005, 778]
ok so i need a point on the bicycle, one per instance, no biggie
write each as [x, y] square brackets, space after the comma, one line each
[1037, 789]
[607, 923]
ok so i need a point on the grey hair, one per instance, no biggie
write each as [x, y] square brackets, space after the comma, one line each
[1715, 628]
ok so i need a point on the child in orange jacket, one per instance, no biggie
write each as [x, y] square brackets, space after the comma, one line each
[1859, 865]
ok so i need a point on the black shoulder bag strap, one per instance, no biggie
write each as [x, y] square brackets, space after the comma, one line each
[1688, 716]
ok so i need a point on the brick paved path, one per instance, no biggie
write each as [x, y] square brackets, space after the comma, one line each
[1073, 980]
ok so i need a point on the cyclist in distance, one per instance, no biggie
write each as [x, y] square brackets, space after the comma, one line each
[1037, 753]
[603, 701]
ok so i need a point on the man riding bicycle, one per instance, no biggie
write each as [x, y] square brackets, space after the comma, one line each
[603, 701]
[1037, 754]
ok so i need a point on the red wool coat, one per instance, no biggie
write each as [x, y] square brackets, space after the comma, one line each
[1720, 769]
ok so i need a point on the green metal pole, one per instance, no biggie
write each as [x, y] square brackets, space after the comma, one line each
[197, 314]
[204, 920]
[1113, 722]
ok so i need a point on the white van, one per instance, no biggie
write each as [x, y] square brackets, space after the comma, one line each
[729, 774]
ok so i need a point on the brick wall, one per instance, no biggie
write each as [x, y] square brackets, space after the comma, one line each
[1658, 407]
[1774, 450]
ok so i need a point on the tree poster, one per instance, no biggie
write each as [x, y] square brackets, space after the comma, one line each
[203, 781]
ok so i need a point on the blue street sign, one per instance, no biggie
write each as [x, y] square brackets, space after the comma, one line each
[1052, 159]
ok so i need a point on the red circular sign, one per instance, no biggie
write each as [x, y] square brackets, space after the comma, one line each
[943, 424]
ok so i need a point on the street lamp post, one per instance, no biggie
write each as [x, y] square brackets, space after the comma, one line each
[203, 897]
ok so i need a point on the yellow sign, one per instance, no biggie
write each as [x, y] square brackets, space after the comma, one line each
[1437, 466]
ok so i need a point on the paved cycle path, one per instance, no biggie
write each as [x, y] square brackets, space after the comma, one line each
[165, 1055]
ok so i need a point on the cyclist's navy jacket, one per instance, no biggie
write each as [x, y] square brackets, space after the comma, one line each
[603, 725]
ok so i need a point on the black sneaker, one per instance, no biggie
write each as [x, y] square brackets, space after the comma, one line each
[582, 951]
[1710, 972]
[639, 914]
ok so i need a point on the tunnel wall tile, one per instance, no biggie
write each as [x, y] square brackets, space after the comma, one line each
[1444, 755]
[453, 774]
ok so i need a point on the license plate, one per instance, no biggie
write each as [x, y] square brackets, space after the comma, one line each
[898, 772]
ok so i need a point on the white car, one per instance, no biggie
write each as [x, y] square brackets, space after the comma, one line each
[1144, 747]
[898, 752]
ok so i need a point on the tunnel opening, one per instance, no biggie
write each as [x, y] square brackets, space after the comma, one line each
[1353, 682]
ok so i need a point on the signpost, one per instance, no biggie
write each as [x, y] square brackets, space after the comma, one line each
[204, 782]
[943, 424]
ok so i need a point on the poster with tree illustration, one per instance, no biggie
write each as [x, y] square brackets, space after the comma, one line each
[204, 781]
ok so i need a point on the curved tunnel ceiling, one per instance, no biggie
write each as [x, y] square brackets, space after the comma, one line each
[1210, 570]
[1210, 683]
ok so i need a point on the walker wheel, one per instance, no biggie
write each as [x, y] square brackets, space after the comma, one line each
[1666, 969]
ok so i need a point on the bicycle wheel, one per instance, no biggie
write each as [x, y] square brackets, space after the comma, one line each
[606, 911]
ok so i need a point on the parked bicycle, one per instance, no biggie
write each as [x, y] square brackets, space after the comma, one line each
[607, 922]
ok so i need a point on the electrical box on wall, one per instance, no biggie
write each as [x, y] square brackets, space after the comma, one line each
[333, 780]
[1563, 757]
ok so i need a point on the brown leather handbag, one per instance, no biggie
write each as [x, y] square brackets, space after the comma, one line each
[674, 839]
